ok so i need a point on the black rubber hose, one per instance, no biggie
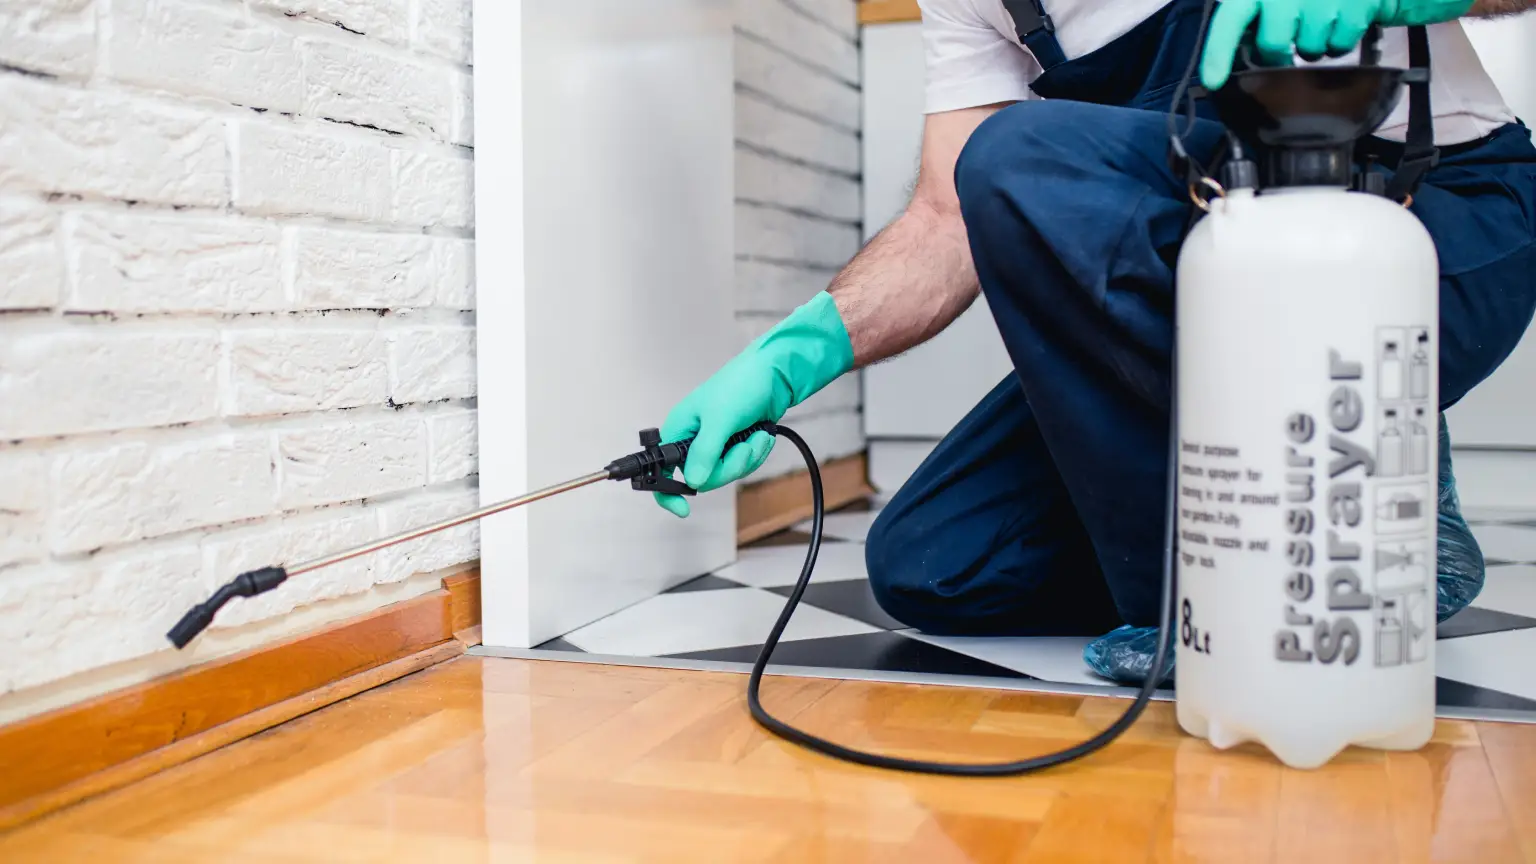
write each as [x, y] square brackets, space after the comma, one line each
[1024, 766]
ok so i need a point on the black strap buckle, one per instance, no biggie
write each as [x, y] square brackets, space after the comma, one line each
[1029, 17]
[1037, 32]
[1419, 151]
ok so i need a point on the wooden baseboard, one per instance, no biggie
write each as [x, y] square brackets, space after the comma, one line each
[889, 11]
[66, 755]
[773, 505]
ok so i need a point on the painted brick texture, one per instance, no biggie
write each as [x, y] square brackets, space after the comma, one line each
[236, 318]
[799, 194]
[236, 315]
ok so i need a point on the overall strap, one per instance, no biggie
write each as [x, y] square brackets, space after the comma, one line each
[1419, 151]
[1036, 31]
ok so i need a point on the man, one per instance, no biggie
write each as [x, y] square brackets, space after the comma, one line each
[1044, 184]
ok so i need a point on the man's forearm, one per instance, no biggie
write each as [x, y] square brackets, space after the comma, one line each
[909, 283]
[1497, 8]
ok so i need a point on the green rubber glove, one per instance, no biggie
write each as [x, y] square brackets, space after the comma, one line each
[782, 368]
[1313, 28]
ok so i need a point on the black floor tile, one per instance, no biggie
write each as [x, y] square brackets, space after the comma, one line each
[1455, 694]
[707, 582]
[558, 644]
[1473, 621]
[852, 598]
[872, 652]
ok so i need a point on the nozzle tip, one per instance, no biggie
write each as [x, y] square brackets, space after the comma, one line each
[194, 622]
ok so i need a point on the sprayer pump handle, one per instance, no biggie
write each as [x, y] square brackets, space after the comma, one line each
[1248, 56]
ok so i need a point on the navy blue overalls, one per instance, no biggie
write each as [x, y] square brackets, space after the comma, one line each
[1042, 512]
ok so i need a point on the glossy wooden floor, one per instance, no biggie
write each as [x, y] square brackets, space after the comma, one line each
[506, 760]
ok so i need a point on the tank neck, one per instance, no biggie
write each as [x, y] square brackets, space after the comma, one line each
[1330, 166]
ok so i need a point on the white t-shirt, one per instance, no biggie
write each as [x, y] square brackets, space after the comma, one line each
[974, 58]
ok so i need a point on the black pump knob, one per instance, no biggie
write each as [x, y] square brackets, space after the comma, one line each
[650, 438]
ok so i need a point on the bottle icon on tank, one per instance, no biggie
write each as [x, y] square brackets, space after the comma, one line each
[1390, 371]
[1418, 444]
[1389, 448]
[1418, 368]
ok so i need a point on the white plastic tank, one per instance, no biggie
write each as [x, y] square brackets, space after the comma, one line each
[1307, 396]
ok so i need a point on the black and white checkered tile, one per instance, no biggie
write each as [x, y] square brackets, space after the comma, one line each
[1483, 659]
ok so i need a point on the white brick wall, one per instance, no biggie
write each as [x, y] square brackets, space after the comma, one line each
[237, 293]
[798, 187]
[236, 316]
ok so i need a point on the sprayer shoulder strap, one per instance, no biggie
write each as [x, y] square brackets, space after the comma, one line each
[1419, 151]
[1036, 31]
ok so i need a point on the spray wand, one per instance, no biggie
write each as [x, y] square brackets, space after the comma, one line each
[648, 470]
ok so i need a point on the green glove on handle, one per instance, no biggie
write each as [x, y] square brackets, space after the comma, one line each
[782, 368]
[1313, 28]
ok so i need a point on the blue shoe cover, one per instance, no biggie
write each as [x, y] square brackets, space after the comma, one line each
[1125, 655]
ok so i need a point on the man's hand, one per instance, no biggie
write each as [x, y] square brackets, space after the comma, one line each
[1311, 28]
[785, 366]
[909, 283]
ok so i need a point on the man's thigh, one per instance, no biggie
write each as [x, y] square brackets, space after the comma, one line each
[1075, 221]
[983, 540]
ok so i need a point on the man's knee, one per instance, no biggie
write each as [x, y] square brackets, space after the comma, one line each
[900, 577]
[1018, 142]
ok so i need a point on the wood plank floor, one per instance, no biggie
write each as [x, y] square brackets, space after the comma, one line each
[507, 760]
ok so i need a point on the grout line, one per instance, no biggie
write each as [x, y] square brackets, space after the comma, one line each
[210, 107]
[791, 263]
[824, 72]
[75, 202]
[771, 100]
[802, 59]
[818, 167]
[804, 214]
[850, 38]
[199, 430]
[845, 222]
[307, 25]
[275, 519]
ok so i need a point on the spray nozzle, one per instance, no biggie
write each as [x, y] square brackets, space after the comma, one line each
[247, 584]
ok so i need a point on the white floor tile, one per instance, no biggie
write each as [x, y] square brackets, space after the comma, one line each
[1513, 543]
[1498, 661]
[1509, 589]
[772, 566]
[705, 620]
[1052, 658]
[844, 526]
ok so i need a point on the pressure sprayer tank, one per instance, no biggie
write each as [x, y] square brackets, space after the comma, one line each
[1308, 337]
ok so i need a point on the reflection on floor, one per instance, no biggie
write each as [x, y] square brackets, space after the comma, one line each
[504, 760]
[719, 620]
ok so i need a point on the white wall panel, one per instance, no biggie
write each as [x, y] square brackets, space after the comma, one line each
[605, 185]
